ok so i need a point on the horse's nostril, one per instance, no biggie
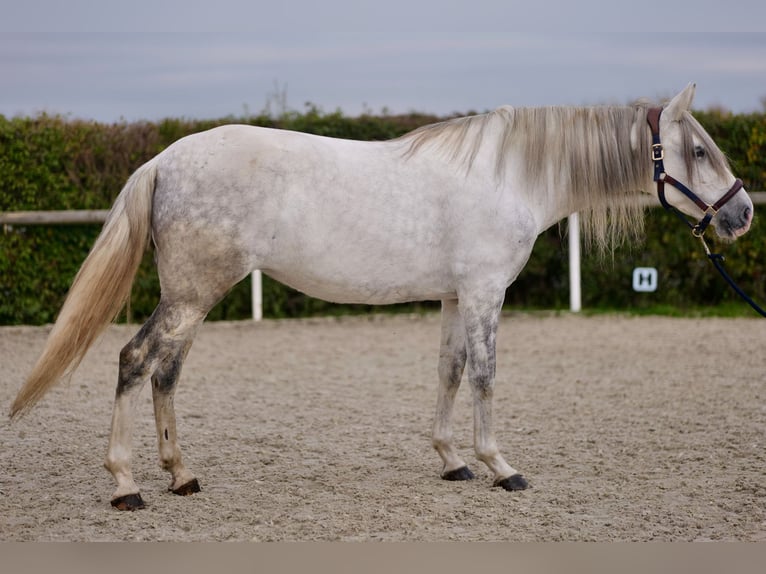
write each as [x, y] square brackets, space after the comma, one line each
[748, 214]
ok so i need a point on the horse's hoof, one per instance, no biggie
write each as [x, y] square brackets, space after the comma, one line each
[128, 502]
[513, 482]
[187, 489]
[462, 473]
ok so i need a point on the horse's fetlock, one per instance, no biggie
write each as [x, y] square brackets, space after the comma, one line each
[487, 455]
[440, 442]
[112, 464]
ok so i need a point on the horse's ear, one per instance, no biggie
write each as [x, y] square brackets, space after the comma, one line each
[680, 104]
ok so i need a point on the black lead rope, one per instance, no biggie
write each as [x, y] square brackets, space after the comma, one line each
[698, 229]
[717, 260]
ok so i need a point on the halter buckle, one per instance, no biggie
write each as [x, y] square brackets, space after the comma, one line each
[699, 229]
[658, 152]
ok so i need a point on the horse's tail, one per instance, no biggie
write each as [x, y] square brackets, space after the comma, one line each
[99, 290]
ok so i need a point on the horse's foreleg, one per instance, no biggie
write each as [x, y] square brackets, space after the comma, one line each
[481, 319]
[164, 382]
[451, 364]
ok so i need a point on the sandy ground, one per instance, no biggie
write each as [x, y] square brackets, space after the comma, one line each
[628, 429]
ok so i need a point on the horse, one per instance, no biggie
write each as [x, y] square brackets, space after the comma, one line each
[448, 212]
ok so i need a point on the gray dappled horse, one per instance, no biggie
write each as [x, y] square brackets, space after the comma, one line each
[448, 212]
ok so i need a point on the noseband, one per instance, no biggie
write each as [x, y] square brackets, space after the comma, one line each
[658, 155]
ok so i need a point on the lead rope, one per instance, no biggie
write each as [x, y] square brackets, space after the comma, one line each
[717, 260]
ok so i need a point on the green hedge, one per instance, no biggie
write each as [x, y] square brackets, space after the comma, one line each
[50, 162]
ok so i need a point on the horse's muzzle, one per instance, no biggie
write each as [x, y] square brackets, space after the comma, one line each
[734, 221]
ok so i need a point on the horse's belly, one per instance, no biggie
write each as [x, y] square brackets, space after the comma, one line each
[364, 288]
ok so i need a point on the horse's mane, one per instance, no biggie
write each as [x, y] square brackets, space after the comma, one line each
[583, 151]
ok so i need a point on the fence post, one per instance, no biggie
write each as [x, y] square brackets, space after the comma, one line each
[575, 297]
[257, 295]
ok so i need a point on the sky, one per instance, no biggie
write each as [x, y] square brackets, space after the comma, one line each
[148, 60]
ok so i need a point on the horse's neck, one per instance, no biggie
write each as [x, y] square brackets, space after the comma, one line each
[596, 173]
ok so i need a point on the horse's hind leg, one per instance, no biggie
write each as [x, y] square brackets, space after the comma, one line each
[164, 382]
[452, 357]
[160, 345]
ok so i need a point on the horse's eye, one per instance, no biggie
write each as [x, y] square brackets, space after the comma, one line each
[699, 152]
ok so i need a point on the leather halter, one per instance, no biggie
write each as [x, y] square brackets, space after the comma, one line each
[658, 154]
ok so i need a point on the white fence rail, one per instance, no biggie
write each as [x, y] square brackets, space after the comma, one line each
[75, 217]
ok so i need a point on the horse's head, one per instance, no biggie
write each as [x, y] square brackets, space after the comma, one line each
[684, 152]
